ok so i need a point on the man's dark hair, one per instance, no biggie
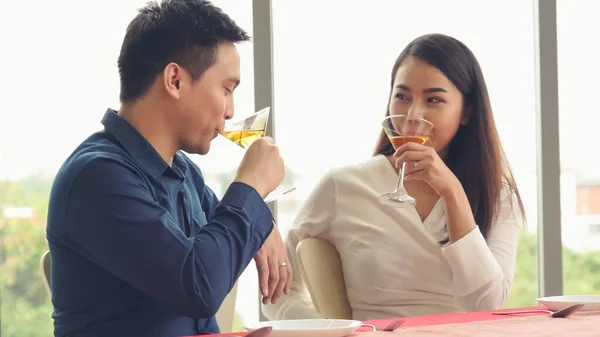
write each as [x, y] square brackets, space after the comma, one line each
[186, 32]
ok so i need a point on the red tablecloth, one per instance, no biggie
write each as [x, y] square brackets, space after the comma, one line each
[436, 319]
[453, 318]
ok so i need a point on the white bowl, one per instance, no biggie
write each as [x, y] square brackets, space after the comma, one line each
[590, 302]
[308, 327]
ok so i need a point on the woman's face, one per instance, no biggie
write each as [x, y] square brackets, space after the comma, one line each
[423, 91]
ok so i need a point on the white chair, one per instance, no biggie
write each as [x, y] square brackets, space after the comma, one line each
[321, 269]
[226, 312]
[45, 268]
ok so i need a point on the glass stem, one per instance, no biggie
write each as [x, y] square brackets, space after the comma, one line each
[400, 184]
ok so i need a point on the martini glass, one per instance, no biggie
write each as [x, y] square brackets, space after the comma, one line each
[244, 132]
[400, 130]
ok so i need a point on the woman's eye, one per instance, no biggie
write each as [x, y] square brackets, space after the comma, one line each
[401, 96]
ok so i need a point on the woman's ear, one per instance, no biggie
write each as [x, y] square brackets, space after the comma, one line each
[466, 116]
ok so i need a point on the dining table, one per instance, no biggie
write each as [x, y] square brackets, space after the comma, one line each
[484, 323]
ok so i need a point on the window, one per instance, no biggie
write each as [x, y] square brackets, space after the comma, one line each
[580, 165]
[331, 86]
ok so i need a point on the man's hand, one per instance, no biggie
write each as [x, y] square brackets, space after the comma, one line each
[262, 166]
[274, 269]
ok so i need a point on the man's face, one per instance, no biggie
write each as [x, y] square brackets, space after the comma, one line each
[205, 105]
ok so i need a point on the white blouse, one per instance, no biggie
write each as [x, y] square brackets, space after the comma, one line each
[393, 263]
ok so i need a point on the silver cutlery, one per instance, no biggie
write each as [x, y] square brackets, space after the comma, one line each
[391, 327]
[556, 314]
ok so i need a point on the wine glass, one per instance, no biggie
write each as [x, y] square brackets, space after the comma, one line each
[244, 132]
[402, 129]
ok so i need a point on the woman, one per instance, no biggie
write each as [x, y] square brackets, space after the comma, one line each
[456, 249]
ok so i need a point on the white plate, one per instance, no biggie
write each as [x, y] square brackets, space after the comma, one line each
[308, 327]
[591, 302]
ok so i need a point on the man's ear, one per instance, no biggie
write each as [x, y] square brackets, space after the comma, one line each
[172, 79]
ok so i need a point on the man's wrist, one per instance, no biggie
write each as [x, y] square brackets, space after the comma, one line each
[255, 186]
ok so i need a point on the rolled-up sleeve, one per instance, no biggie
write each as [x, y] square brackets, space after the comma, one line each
[114, 220]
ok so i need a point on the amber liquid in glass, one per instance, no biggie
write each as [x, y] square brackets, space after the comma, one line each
[398, 141]
[243, 138]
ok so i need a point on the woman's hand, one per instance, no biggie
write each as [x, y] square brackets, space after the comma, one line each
[423, 163]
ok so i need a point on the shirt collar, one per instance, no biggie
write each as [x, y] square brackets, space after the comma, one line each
[135, 144]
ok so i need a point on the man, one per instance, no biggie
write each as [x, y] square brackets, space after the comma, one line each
[139, 245]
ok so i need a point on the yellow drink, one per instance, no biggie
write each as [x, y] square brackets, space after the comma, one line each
[398, 141]
[243, 138]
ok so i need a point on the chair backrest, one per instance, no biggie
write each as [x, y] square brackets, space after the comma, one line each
[226, 312]
[321, 269]
[224, 316]
[45, 268]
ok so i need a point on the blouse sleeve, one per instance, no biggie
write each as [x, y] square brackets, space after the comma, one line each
[483, 271]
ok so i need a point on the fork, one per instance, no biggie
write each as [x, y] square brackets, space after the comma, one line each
[556, 314]
[391, 327]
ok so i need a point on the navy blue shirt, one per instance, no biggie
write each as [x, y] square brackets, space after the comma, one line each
[141, 248]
